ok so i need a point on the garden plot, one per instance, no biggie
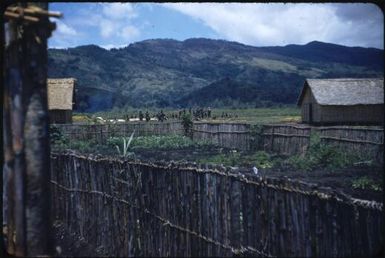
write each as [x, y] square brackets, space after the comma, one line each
[323, 165]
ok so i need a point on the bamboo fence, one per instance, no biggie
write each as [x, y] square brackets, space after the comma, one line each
[130, 208]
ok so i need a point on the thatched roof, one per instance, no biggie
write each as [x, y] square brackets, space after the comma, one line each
[346, 91]
[60, 93]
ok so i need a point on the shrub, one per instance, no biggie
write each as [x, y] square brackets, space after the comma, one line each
[56, 135]
[366, 183]
[187, 125]
[260, 159]
[321, 155]
[229, 159]
[58, 140]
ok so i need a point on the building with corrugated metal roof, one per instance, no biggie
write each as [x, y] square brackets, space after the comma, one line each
[342, 101]
[61, 97]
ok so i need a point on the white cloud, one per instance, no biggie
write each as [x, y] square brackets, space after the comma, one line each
[114, 21]
[109, 46]
[64, 30]
[129, 32]
[64, 35]
[107, 28]
[116, 11]
[280, 24]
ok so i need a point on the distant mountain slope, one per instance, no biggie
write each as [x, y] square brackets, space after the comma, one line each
[316, 51]
[166, 72]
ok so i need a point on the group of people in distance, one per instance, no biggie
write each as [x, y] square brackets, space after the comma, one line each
[195, 113]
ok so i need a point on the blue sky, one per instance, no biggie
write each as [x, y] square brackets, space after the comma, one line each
[258, 24]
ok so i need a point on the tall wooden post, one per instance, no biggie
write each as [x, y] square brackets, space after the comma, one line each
[25, 129]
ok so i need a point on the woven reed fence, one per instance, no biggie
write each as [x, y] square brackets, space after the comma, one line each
[284, 139]
[129, 208]
[364, 141]
[101, 132]
[230, 135]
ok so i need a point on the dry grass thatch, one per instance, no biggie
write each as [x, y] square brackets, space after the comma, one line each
[346, 91]
[60, 93]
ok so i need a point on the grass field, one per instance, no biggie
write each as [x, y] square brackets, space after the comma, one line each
[252, 115]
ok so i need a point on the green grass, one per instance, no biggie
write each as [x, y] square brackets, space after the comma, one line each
[247, 115]
[258, 115]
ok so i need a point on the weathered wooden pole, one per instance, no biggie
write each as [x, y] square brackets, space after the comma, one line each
[25, 131]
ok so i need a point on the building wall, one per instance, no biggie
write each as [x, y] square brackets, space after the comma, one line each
[373, 114]
[357, 114]
[60, 116]
[315, 115]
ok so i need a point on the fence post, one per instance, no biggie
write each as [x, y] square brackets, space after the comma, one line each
[26, 129]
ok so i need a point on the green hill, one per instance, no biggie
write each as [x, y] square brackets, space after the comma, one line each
[165, 72]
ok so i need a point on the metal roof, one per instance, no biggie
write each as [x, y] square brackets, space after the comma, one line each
[346, 91]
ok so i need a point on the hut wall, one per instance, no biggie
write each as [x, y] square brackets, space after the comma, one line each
[361, 114]
[60, 116]
[309, 99]
[127, 208]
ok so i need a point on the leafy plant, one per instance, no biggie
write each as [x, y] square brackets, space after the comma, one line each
[260, 159]
[56, 135]
[321, 155]
[256, 135]
[229, 159]
[166, 142]
[187, 125]
[366, 183]
[58, 140]
[126, 145]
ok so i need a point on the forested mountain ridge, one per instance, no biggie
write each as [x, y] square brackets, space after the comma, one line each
[166, 72]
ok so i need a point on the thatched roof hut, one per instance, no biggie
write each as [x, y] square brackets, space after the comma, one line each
[342, 101]
[61, 99]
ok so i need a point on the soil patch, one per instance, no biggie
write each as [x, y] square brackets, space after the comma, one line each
[186, 154]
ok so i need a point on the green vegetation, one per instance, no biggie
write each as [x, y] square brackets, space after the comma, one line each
[258, 115]
[366, 183]
[57, 138]
[129, 145]
[187, 124]
[321, 155]
[126, 144]
[235, 115]
[259, 159]
[201, 72]
[162, 142]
